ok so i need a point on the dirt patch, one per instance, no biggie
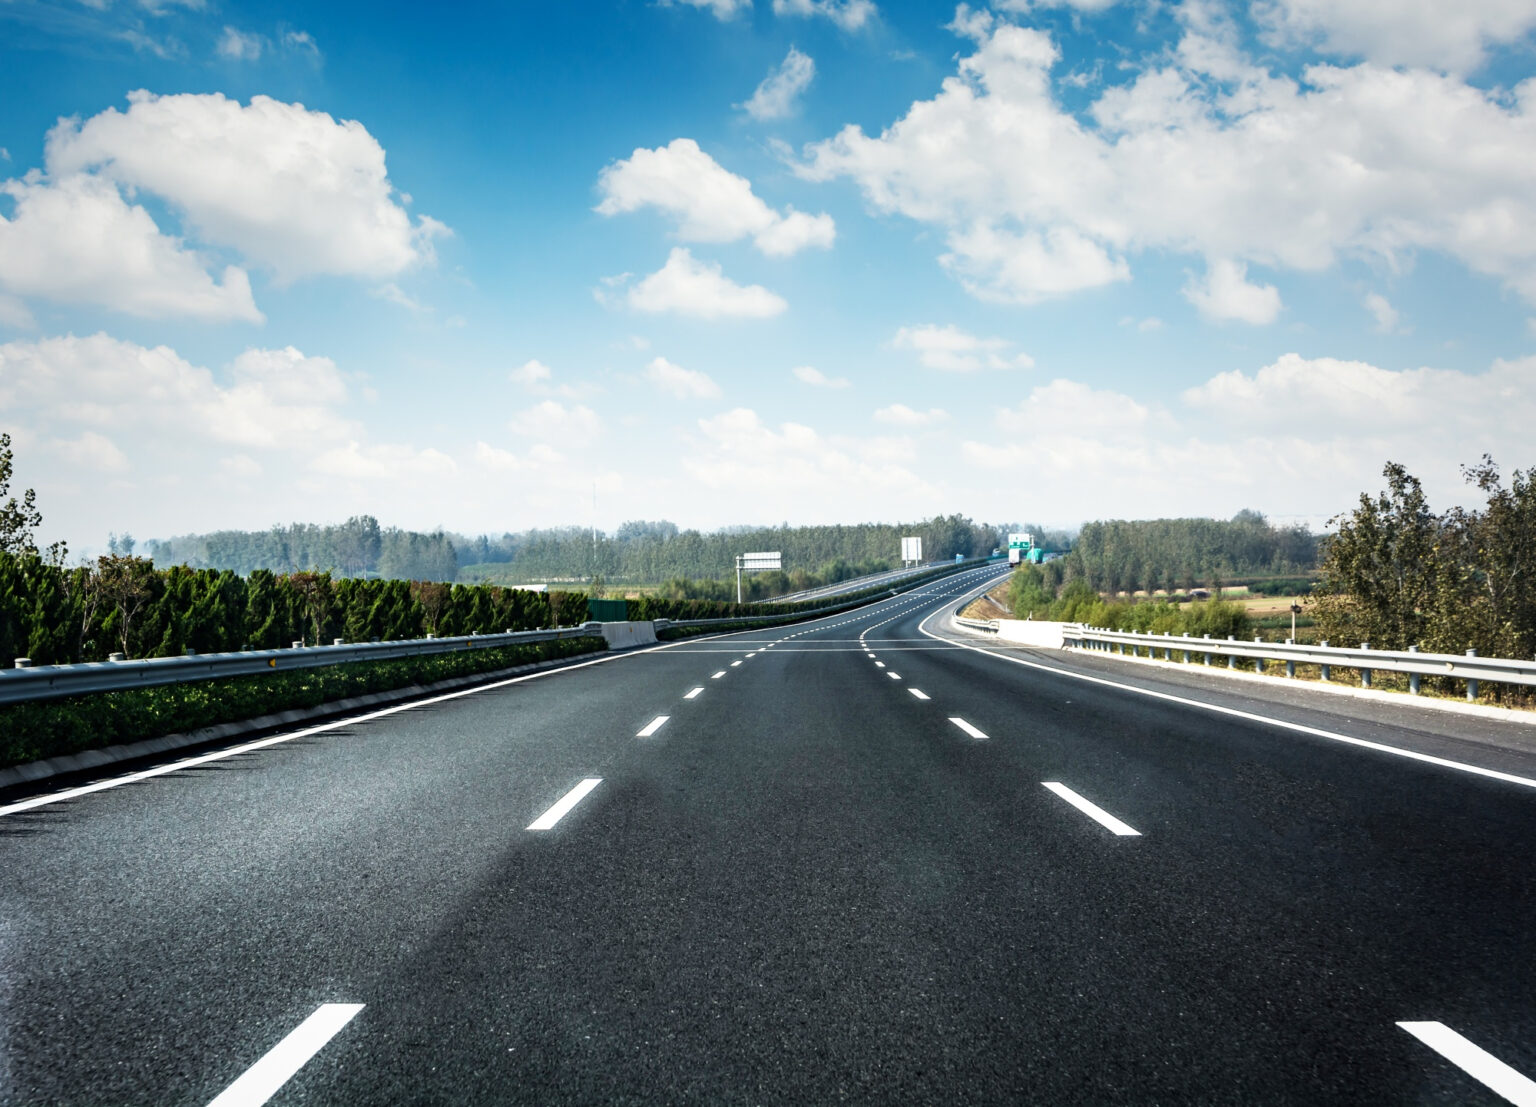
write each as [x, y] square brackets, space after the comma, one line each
[991, 605]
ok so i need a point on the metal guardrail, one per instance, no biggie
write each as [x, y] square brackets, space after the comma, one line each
[47, 682]
[1467, 667]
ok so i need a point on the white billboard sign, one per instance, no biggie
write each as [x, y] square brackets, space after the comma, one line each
[756, 561]
[911, 549]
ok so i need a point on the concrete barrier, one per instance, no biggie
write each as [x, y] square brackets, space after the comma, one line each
[626, 636]
[1031, 632]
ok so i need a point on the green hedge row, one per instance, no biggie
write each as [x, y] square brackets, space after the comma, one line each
[31, 731]
[59, 616]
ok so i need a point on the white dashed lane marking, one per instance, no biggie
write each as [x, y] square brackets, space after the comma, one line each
[1475, 1061]
[653, 726]
[564, 804]
[894, 676]
[967, 727]
[919, 693]
[261, 1081]
[1092, 810]
[692, 692]
[718, 675]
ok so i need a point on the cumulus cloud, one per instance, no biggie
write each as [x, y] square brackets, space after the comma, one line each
[775, 97]
[814, 377]
[76, 240]
[774, 469]
[237, 45]
[952, 350]
[293, 190]
[721, 9]
[1226, 293]
[531, 373]
[1204, 153]
[680, 383]
[268, 399]
[385, 462]
[710, 203]
[850, 15]
[690, 287]
[552, 421]
[1454, 37]
[900, 415]
[1382, 311]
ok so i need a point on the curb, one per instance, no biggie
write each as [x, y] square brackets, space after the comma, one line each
[33, 771]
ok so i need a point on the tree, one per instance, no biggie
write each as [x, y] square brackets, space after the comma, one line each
[127, 584]
[1379, 572]
[19, 519]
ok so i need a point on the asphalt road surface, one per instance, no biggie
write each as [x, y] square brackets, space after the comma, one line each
[854, 860]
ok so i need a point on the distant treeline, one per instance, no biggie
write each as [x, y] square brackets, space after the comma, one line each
[639, 552]
[1173, 554]
[359, 547]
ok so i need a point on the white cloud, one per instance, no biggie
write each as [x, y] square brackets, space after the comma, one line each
[301, 42]
[269, 399]
[1201, 153]
[237, 45]
[710, 203]
[394, 294]
[494, 459]
[75, 240]
[850, 15]
[1382, 311]
[293, 190]
[691, 287]
[1226, 293]
[1024, 7]
[1454, 37]
[720, 9]
[817, 379]
[552, 421]
[384, 462]
[684, 384]
[775, 97]
[900, 415]
[531, 373]
[92, 451]
[952, 350]
[775, 470]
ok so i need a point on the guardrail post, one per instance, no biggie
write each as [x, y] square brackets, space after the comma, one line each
[1290, 665]
[23, 662]
[1231, 657]
[1327, 668]
[1471, 684]
[339, 642]
[1365, 674]
[1186, 649]
[1207, 656]
[1258, 662]
[1413, 678]
[299, 645]
[117, 657]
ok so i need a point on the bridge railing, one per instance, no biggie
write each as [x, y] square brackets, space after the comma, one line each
[1468, 667]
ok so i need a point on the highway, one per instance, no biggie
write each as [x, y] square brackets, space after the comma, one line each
[864, 859]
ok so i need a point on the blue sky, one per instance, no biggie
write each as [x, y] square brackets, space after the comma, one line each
[735, 262]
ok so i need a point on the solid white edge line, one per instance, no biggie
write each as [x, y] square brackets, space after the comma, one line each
[1298, 728]
[692, 692]
[918, 693]
[564, 804]
[351, 720]
[1092, 810]
[653, 726]
[262, 1080]
[1475, 1061]
[965, 726]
